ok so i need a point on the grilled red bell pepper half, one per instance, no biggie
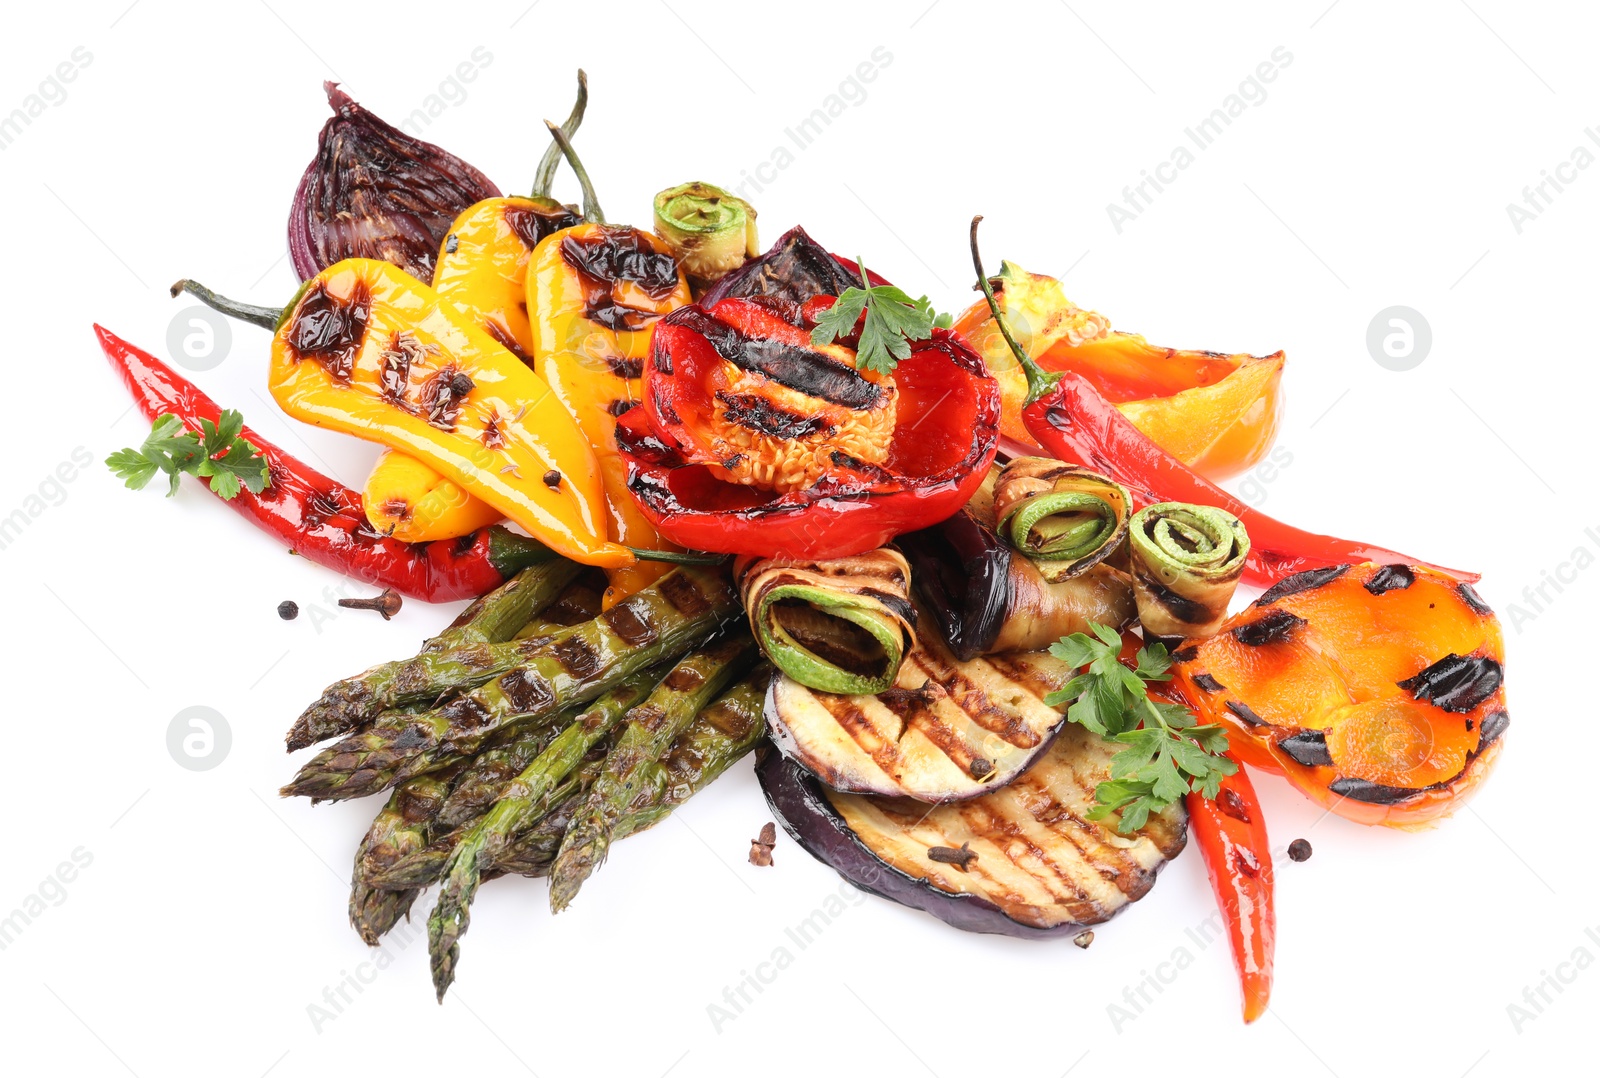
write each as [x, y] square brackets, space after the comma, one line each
[323, 520]
[752, 440]
[1068, 416]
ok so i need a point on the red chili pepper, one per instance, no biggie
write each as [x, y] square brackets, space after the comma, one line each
[323, 520]
[943, 438]
[1233, 840]
[1072, 421]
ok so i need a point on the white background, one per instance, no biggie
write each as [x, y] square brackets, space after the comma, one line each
[1376, 172]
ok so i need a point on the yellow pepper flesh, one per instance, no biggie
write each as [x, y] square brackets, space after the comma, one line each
[370, 351]
[595, 370]
[411, 501]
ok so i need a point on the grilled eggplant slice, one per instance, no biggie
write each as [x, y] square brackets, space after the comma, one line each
[946, 731]
[1020, 861]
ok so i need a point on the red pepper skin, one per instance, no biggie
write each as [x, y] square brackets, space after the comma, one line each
[1074, 422]
[1233, 840]
[323, 520]
[945, 439]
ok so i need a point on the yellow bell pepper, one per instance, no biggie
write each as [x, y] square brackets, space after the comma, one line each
[481, 271]
[595, 290]
[1216, 413]
[368, 350]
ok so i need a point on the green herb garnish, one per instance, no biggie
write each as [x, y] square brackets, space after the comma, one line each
[1167, 753]
[219, 453]
[894, 320]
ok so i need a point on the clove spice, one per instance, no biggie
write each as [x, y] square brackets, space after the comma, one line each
[386, 603]
[949, 855]
[761, 846]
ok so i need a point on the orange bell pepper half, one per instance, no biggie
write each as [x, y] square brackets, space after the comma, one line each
[1217, 413]
[1377, 690]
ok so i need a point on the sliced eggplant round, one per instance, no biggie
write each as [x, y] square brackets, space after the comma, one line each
[946, 731]
[1020, 861]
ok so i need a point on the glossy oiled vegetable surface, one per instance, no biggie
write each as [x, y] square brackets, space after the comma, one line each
[1378, 690]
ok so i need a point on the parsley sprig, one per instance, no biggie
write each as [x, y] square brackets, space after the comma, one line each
[894, 320]
[219, 453]
[1167, 753]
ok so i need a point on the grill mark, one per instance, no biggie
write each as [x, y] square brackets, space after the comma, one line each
[992, 824]
[1470, 596]
[631, 622]
[526, 691]
[686, 598]
[1373, 793]
[976, 705]
[1181, 607]
[684, 679]
[1207, 683]
[1493, 726]
[530, 226]
[577, 657]
[1390, 578]
[1309, 748]
[647, 716]
[1187, 655]
[1246, 713]
[463, 713]
[1112, 863]
[1293, 585]
[806, 371]
[853, 721]
[502, 336]
[613, 255]
[754, 412]
[1274, 628]
[1455, 683]
[330, 330]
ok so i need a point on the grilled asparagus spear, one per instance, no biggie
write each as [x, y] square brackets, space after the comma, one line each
[650, 731]
[719, 738]
[651, 626]
[459, 657]
[402, 825]
[715, 737]
[561, 754]
[580, 602]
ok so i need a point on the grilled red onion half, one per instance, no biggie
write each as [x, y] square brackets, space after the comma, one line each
[373, 191]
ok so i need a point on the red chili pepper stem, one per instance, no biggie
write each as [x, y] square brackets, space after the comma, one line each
[591, 204]
[1040, 381]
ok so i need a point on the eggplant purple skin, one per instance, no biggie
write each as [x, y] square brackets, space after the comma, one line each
[436, 186]
[963, 572]
[797, 799]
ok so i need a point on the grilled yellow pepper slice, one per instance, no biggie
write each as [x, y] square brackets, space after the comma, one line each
[368, 350]
[594, 291]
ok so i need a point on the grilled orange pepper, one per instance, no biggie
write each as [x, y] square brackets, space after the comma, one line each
[367, 349]
[482, 271]
[1377, 690]
[596, 290]
[1216, 413]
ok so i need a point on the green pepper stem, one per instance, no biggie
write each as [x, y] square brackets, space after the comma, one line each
[678, 557]
[591, 205]
[265, 317]
[546, 175]
[1040, 381]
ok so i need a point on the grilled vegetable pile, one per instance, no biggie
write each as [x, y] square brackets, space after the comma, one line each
[963, 584]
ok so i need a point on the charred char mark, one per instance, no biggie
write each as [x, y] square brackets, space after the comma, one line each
[330, 330]
[531, 225]
[1372, 793]
[397, 509]
[1308, 748]
[1207, 683]
[1184, 609]
[441, 397]
[1470, 596]
[414, 736]
[1391, 578]
[631, 621]
[897, 606]
[648, 716]
[613, 255]
[464, 713]
[755, 412]
[619, 408]
[1493, 726]
[685, 597]
[417, 805]
[804, 370]
[1231, 804]
[623, 367]
[1186, 655]
[684, 679]
[577, 657]
[1245, 713]
[871, 471]
[502, 336]
[1293, 585]
[796, 268]
[1456, 683]
[526, 691]
[1274, 628]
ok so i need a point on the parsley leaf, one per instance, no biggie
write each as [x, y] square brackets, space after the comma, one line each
[1164, 753]
[893, 321]
[219, 453]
